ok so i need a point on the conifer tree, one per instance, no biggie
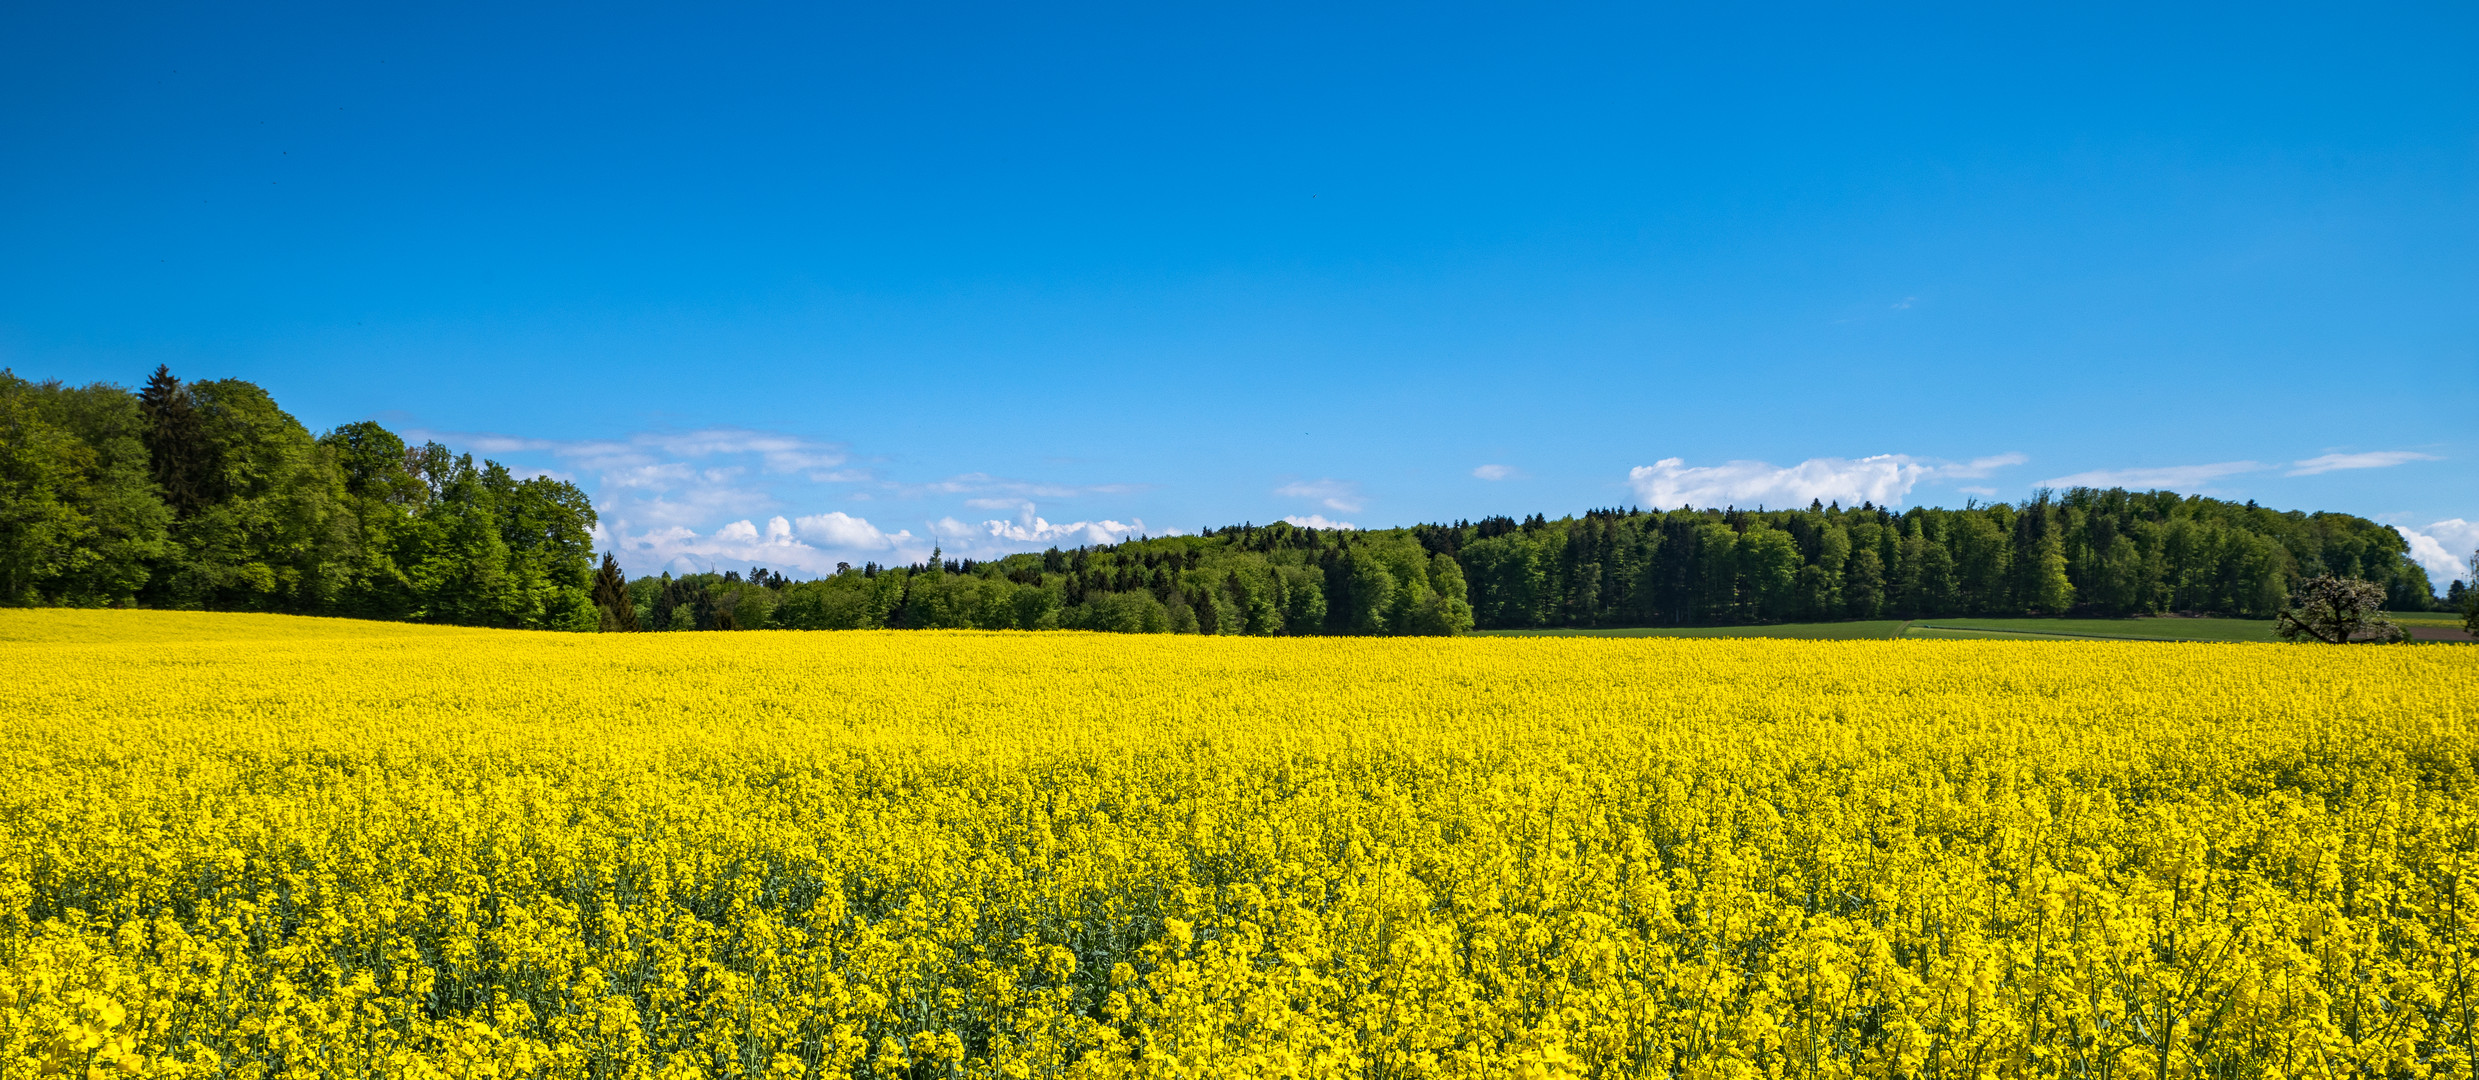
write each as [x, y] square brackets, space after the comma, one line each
[702, 608]
[176, 443]
[611, 595]
[666, 601]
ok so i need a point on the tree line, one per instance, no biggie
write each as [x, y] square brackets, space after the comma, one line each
[1267, 580]
[2088, 551]
[206, 495]
[2083, 552]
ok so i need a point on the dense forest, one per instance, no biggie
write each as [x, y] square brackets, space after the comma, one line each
[1251, 580]
[2087, 551]
[2091, 552]
[206, 495]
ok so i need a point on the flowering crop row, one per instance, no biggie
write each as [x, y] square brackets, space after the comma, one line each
[255, 846]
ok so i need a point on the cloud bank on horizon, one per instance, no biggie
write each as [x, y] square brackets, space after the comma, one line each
[1884, 479]
[727, 498]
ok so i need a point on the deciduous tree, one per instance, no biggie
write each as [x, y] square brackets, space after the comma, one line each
[2337, 611]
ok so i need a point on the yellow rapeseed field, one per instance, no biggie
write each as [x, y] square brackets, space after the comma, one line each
[255, 846]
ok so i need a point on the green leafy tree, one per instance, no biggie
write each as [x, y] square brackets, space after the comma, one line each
[1450, 612]
[1822, 580]
[273, 536]
[1303, 599]
[1254, 595]
[1213, 595]
[1717, 578]
[381, 497]
[1937, 588]
[1131, 612]
[460, 566]
[1863, 588]
[41, 528]
[1036, 607]
[93, 522]
[1769, 570]
[1983, 560]
[2048, 588]
[1369, 592]
[547, 526]
[1508, 579]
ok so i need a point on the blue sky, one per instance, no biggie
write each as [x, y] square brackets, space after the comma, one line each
[811, 284]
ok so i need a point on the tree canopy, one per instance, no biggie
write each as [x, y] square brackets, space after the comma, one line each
[207, 495]
[2086, 551]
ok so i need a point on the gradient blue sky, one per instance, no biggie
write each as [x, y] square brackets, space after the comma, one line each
[997, 276]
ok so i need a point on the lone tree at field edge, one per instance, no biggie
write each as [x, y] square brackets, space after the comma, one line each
[2470, 596]
[2337, 611]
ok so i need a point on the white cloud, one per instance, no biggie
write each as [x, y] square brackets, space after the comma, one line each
[1041, 533]
[841, 530]
[1009, 491]
[2373, 459]
[1496, 472]
[692, 504]
[1031, 531]
[484, 443]
[2186, 478]
[1340, 495]
[2194, 479]
[700, 499]
[812, 546]
[668, 479]
[2444, 549]
[1318, 521]
[1885, 479]
[1977, 467]
[814, 543]
[780, 453]
[668, 476]
[2456, 533]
